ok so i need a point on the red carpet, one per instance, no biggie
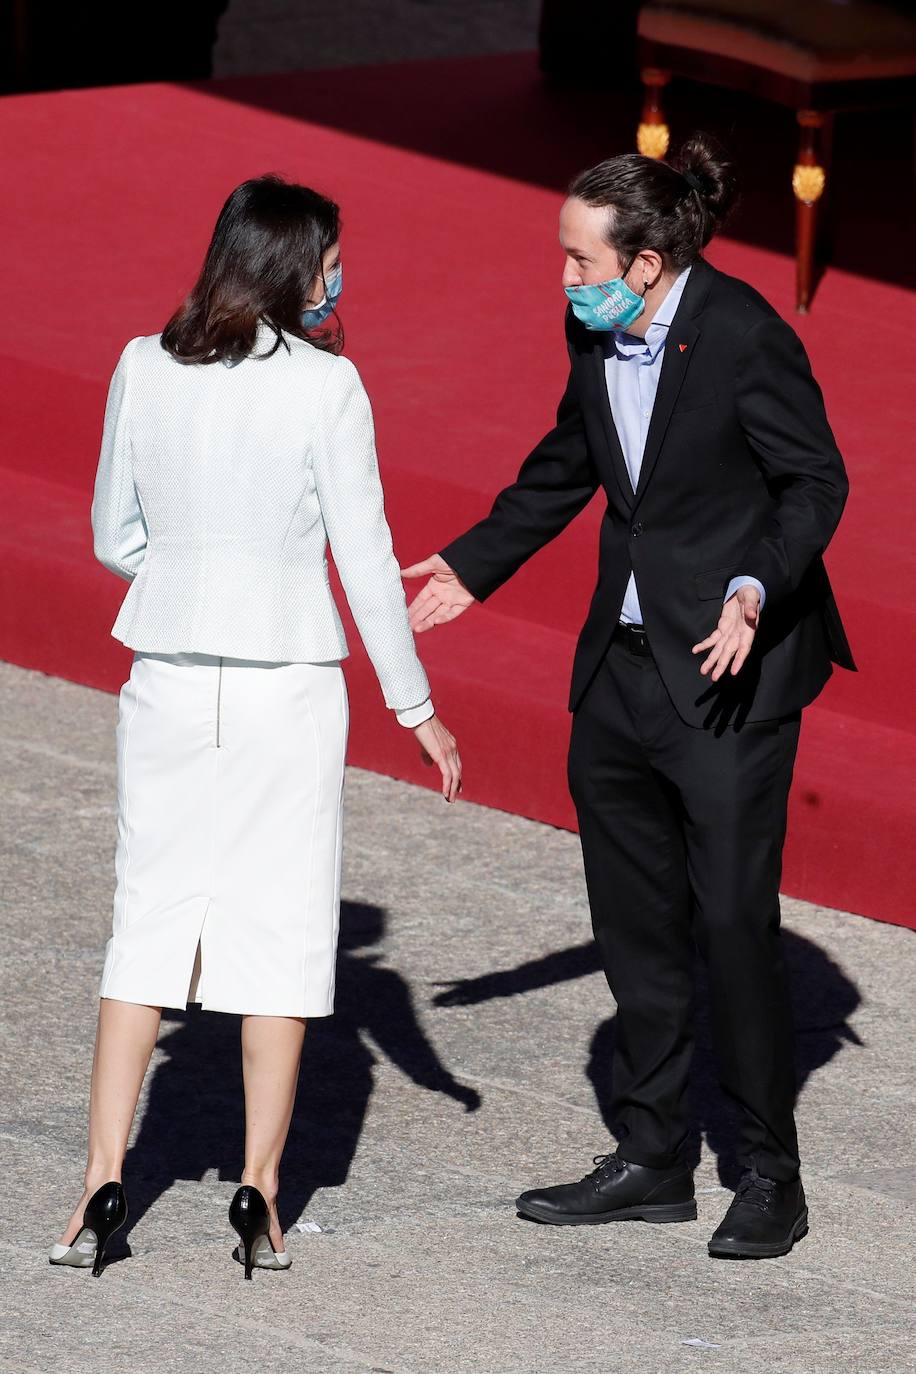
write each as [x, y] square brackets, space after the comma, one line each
[453, 312]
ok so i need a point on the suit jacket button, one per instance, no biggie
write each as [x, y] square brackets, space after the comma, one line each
[636, 531]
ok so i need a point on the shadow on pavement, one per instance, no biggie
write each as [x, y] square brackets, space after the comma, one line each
[823, 998]
[194, 1118]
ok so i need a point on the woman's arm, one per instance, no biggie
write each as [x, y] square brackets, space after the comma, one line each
[118, 528]
[350, 495]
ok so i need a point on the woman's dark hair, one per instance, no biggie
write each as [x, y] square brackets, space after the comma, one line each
[672, 207]
[267, 249]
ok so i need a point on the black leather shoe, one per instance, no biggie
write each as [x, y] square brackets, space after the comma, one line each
[615, 1190]
[765, 1219]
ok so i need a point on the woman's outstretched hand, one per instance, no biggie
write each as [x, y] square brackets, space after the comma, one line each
[438, 747]
[443, 598]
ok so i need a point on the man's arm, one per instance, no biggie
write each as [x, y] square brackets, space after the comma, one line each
[556, 481]
[781, 410]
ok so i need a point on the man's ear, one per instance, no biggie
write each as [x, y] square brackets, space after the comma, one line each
[649, 265]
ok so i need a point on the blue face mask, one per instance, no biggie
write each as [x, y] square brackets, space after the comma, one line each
[607, 305]
[317, 314]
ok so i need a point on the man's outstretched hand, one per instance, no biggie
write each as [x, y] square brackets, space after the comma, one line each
[731, 640]
[443, 598]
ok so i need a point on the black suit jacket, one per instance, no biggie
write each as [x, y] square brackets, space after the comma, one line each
[740, 475]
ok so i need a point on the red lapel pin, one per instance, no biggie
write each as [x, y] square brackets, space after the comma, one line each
[682, 347]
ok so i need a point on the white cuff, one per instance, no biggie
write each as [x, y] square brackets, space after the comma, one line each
[412, 716]
[737, 582]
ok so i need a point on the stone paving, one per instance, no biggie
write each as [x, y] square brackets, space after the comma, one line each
[468, 1059]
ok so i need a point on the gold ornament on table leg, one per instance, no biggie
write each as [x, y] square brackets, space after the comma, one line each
[808, 183]
[652, 140]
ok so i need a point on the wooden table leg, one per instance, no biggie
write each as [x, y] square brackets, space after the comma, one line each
[652, 136]
[808, 181]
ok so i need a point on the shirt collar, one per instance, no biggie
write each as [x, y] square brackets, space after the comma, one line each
[629, 346]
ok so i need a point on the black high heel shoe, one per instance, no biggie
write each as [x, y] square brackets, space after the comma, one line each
[250, 1217]
[105, 1212]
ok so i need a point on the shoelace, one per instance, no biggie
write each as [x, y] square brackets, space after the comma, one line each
[755, 1190]
[606, 1164]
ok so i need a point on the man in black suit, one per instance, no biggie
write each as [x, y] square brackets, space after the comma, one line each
[691, 404]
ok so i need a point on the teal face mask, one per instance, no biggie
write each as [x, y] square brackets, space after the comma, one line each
[317, 314]
[606, 305]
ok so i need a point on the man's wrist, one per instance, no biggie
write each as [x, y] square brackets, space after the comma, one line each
[451, 557]
[745, 581]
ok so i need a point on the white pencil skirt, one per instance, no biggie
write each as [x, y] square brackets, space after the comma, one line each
[230, 792]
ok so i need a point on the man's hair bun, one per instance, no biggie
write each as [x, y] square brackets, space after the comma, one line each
[673, 207]
[703, 164]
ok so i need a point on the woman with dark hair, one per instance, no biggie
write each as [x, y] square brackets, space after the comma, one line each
[236, 445]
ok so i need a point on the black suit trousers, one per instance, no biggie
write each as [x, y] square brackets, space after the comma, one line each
[682, 832]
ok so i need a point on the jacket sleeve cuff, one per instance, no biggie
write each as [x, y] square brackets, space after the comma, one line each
[412, 716]
[745, 581]
[452, 555]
